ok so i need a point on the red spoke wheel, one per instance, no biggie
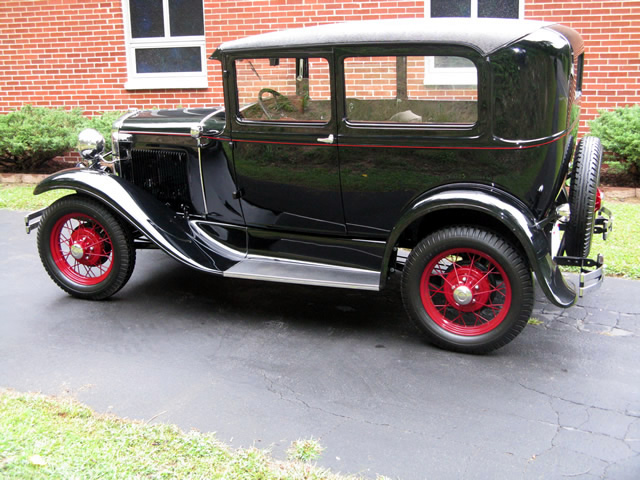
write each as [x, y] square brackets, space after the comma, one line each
[81, 249]
[84, 248]
[467, 289]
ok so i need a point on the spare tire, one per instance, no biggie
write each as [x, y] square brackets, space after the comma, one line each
[583, 190]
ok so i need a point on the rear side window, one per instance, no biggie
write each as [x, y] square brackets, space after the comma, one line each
[395, 89]
[283, 89]
[580, 70]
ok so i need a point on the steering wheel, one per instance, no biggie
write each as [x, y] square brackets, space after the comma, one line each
[275, 96]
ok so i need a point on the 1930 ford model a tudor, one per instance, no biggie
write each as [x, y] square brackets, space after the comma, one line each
[339, 149]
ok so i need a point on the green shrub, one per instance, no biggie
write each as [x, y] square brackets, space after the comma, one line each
[619, 131]
[32, 136]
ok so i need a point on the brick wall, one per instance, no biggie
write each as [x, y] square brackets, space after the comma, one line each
[66, 53]
[611, 31]
[72, 53]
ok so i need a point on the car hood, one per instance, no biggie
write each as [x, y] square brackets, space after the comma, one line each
[212, 120]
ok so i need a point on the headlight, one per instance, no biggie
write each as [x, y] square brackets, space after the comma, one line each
[90, 144]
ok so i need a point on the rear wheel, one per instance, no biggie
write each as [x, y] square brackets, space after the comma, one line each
[467, 289]
[583, 193]
[84, 248]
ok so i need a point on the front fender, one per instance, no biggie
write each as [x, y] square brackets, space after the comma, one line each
[513, 216]
[172, 233]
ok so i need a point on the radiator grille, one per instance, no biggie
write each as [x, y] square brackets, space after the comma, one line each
[162, 173]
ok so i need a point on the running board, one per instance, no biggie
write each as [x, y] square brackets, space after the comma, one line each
[303, 273]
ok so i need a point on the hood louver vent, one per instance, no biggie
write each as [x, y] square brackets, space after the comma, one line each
[162, 173]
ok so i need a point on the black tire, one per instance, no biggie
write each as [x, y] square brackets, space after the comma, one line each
[85, 249]
[484, 273]
[583, 190]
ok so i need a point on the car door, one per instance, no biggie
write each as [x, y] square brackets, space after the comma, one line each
[284, 143]
[404, 130]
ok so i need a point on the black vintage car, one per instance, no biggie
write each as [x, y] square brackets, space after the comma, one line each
[444, 149]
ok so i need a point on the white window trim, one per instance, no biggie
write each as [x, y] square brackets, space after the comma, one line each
[434, 76]
[151, 81]
[438, 76]
[474, 8]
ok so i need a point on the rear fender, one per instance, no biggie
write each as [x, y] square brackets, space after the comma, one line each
[513, 215]
[176, 235]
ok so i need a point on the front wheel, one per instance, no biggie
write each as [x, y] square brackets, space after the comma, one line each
[467, 289]
[86, 251]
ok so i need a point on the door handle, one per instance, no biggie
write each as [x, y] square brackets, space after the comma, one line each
[329, 139]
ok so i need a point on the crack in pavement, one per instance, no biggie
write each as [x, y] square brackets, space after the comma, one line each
[589, 320]
[580, 428]
[345, 418]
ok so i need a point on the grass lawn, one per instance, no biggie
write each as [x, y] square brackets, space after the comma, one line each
[21, 197]
[622, 249]
[45, 437]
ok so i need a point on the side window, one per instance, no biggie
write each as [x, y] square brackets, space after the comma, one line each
[165, 44]
[578, 74]
[283, 89]
[393, 90]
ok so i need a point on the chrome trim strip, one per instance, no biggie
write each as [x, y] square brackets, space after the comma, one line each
[204, 120]
[213, 243]
[301, 263]
[120, 121]
[304, 273]
[204, 195]
[158, 133]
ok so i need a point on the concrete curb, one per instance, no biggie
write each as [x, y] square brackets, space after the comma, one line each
[614, 193]
[620, 193]
[30, 178]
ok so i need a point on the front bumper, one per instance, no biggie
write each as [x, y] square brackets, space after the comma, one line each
[32, 220]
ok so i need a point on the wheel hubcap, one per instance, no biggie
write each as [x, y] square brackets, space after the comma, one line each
[463, 295]
[77, 251]
[470, 288]
[87, 245]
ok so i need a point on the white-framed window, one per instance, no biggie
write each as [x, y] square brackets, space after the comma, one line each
[452, 70]
[165, 44]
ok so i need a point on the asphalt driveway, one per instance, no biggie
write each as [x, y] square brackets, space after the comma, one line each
[265, 364]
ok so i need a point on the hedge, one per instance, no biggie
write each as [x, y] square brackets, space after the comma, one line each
[619, 131]
[32, 136]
